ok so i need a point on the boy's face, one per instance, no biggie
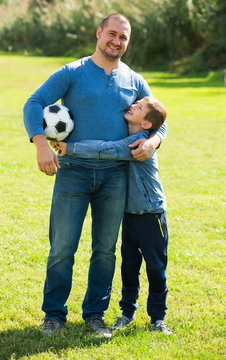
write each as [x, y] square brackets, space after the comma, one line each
[137, 112]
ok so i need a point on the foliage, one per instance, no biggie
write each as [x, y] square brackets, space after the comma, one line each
[162, 31]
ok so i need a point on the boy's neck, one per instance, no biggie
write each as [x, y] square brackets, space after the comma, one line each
[133, 128]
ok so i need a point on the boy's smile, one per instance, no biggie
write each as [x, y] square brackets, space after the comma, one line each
[137, 112]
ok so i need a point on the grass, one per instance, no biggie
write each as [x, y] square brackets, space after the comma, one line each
[192, 170]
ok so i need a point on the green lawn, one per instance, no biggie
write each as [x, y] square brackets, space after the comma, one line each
[192, 170]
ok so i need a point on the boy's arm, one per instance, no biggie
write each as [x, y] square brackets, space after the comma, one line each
[108, 150]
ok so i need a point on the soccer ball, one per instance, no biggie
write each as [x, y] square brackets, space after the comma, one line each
[57, 122]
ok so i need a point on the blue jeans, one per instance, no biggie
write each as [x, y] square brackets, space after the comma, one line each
[75, 188]
[144, 236]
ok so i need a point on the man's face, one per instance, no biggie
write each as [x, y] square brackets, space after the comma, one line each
[113, 39]
[137, 112]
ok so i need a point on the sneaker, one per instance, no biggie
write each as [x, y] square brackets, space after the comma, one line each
[160, 325]
[50, 326]
[99, 327]
[121, 322]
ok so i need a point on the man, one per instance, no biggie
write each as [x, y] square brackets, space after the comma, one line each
[97, 90]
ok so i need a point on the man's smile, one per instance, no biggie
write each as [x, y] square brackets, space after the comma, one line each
[114, 47]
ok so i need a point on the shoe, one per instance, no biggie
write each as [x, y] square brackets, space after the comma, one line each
[99, 327]
[50, 326]
[160, 325]
[121, 322]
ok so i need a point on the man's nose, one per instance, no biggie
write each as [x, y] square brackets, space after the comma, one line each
[116, 40]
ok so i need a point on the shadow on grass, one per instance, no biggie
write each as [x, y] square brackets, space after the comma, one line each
[17, 343]
[187, 84]
[196, 81]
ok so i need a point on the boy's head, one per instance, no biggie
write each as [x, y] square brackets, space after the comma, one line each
[148, 112]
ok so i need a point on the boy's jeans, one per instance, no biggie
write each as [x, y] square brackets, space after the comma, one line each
[144, 236]
[75, 188]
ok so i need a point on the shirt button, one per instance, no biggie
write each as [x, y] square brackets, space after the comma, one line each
[110, 84]
[111, 79]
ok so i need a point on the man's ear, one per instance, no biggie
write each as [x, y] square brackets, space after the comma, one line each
[98, 32]
[146, 125]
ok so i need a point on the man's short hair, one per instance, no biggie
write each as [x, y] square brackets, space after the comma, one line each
[118, 16]
[156, 113]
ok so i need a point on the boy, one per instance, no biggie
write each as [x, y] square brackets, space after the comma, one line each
[144, 227]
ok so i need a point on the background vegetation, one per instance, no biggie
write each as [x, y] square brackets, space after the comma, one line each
[184, 35]
[192, 170]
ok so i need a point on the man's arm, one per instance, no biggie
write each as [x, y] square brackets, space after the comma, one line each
[146, 147]
[48, 93]
[108, 150]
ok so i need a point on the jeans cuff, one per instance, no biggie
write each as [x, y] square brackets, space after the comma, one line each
[98, 316]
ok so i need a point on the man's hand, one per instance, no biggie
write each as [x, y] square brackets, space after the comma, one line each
[145, 148]
[47, 160]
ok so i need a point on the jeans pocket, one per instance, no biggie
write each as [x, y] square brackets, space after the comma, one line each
[66, 165]
[123, 166]
[161, 219]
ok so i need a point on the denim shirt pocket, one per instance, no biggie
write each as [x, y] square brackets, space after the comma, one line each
[127, 96]
[146, 192]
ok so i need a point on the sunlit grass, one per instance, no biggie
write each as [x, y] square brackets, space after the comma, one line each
[192, 170]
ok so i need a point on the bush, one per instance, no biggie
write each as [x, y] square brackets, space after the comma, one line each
[162, 31]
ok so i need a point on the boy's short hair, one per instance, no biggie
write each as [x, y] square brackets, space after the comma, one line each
[156, 113]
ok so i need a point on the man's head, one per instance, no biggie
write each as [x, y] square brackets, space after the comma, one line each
[147, 113]
[113, 36]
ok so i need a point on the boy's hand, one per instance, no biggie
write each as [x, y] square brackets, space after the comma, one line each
[59, 145]
[54, 145]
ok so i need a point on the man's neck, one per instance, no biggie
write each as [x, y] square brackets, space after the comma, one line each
[104, 63]
[133, 128]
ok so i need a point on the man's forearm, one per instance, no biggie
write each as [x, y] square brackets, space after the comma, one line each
[39, 141]
[155, 139]
[162, 131]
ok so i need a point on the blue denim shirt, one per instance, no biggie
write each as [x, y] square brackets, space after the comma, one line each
[144, 191]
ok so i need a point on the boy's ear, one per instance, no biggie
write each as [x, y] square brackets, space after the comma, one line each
[146, 125]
